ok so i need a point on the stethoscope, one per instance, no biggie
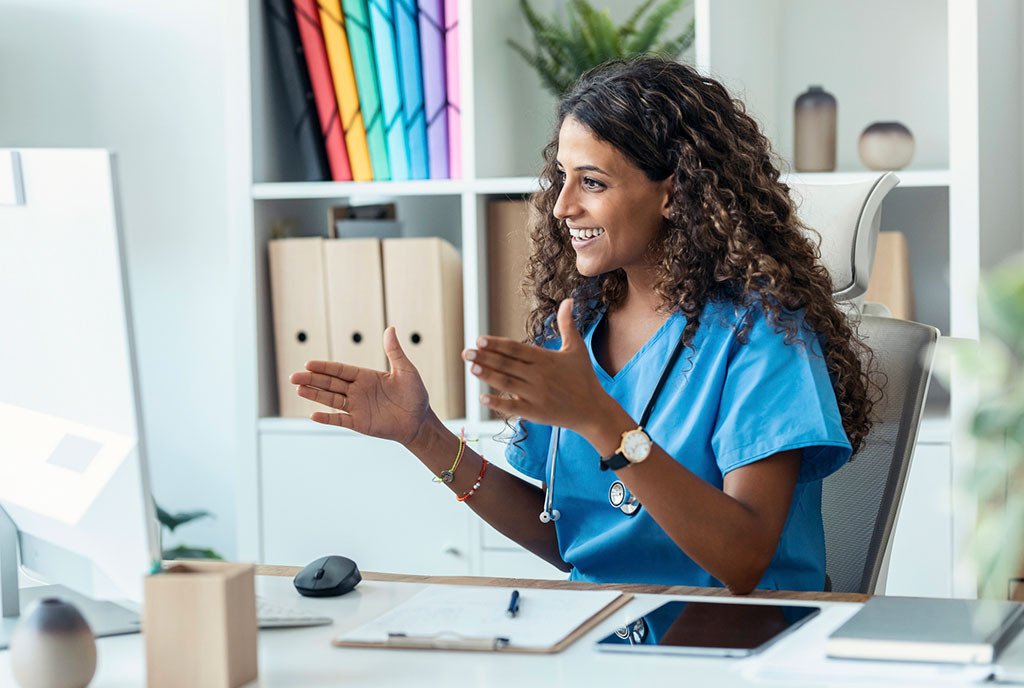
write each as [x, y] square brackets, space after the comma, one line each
[618, 496]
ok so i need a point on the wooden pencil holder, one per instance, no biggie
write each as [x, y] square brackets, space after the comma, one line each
[199, 621]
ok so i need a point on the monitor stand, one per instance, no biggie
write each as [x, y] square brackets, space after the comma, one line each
[104, 618]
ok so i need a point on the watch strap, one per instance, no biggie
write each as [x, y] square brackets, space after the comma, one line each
[614, 462]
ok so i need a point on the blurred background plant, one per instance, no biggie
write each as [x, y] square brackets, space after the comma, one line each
[589, 37]
[173, 521]
[995, 365]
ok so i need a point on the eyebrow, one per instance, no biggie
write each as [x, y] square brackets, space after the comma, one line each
[584, 168]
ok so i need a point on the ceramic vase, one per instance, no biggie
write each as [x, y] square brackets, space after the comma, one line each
[52, 647]
[814, 131]
[886, 146]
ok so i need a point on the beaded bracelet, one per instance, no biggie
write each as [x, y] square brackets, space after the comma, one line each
[476, 486]
[448, 475]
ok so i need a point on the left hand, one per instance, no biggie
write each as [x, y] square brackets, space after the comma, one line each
[549, 387]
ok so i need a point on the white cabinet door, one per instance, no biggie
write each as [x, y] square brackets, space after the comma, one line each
[367, 499]
[922, 552]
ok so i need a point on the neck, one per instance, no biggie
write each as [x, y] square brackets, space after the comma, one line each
[640, 294]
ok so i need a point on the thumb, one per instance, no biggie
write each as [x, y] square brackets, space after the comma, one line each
[393, 350]
[566, 326]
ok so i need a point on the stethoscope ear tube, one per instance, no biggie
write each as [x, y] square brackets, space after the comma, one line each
[549, 515]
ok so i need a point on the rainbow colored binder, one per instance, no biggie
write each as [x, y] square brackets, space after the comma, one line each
[382, 25]
[434, 90]
[408, 34]
[340, 58]
[451, 64]
[360, 41]
[308, 18]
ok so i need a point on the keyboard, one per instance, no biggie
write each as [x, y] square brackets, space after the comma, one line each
[272, 614]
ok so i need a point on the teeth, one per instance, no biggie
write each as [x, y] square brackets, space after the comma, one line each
[588, 233]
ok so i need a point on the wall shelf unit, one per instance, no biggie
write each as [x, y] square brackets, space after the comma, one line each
[883, 60]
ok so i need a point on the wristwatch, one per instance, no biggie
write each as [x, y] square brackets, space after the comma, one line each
[634, 448]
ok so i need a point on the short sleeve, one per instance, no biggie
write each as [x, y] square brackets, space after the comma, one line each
[527, 452]
[778, 396]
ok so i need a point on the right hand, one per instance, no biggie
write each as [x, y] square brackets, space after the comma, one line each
[392, 406]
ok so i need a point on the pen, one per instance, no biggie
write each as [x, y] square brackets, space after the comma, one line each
[513, 605]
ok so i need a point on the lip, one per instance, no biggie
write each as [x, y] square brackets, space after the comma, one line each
[579, 244]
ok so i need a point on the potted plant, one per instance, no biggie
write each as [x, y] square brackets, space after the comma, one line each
[562, 53]
[994, 365]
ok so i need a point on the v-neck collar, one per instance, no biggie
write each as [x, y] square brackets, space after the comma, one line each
[601, 372]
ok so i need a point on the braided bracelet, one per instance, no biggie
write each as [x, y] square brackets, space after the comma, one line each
[476, 486]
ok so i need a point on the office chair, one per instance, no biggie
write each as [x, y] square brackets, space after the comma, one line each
[847, 217]
[860, 501]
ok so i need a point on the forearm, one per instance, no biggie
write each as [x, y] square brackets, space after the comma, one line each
[506, 502]
[720, 533]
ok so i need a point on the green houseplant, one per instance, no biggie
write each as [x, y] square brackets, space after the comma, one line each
[994, 366]
[171, 522]
[563, 52]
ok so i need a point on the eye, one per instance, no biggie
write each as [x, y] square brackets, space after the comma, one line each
[592, 184]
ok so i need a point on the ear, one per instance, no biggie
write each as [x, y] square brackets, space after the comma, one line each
[667, 186]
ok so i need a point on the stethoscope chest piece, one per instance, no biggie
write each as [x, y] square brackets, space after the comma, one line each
[619, 497]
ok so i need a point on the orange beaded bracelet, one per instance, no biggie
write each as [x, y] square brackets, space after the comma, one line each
[476, 486]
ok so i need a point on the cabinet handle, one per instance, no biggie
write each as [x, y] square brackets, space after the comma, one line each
[453, 551]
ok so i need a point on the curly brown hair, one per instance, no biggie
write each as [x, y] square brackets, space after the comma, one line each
[733, 232]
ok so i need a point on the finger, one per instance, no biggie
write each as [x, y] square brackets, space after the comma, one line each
[527, 353]
[321, 381]
[500, 381]
[343, 371]
[500, 362]
[334, 401]
[566, 327]
[394, 351]
[508, 406]
[342, 420]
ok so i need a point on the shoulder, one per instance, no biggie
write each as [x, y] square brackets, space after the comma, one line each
[756, 320]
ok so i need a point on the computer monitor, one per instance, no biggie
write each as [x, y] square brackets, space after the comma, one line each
[73, 473]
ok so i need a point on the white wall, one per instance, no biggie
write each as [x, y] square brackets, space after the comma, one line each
[145, 78]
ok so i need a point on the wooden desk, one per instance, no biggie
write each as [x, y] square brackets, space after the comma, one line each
[265, 570]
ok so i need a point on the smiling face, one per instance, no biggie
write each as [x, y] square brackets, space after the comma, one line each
[608, 205]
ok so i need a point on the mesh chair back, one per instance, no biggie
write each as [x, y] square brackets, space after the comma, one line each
[860, 501]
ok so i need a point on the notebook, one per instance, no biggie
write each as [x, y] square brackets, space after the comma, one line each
[463, 617]
[927, 630]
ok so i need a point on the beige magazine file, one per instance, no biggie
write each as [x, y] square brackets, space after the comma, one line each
[355, 302]
[300, 315]
[423, 300]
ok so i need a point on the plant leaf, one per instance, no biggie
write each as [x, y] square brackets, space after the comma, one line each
[678, 45]
[653, 26]
[629, 27]
[186, 552]
[172, 521]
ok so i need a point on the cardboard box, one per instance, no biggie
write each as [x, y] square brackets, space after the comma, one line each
[199, 623]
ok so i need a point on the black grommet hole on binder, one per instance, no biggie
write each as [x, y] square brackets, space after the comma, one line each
[416, 339]
[301, 336]
[357, 337]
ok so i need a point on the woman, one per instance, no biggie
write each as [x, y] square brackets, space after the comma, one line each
[701, 377]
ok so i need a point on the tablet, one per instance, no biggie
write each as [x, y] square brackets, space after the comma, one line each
[721, 629]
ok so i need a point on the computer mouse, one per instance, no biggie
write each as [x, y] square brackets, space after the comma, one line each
[328, 577]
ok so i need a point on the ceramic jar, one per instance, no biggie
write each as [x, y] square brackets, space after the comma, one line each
[52, 647]
[886, 146]
[814, 131]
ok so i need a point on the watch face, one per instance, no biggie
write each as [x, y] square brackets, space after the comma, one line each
[617, 493]
[636, 445]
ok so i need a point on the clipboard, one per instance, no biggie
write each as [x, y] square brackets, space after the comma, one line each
[434, 606]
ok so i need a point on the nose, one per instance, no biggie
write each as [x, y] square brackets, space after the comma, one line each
[567, 205]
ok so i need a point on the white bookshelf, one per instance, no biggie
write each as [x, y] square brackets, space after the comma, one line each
[916, 61]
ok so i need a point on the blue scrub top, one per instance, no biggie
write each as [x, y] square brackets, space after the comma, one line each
[725, 404]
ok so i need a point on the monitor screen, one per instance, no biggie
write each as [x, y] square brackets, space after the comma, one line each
[73, 473]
